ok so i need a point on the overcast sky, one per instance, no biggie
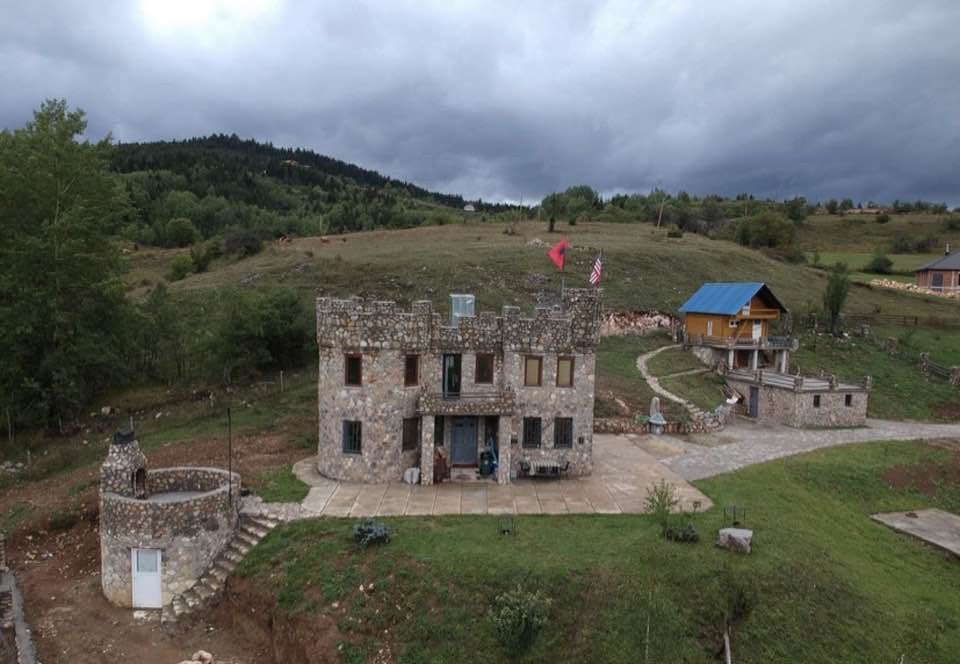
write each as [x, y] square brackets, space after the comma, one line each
[503, 100]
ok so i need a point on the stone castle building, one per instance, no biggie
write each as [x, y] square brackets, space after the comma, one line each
[506, 394]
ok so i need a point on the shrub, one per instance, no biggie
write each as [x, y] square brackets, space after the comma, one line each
[202, 256]
[661, 498]
[243, 242]
[765, 230]
[952, 223]
[518, 616]
[685, 533]
[180, 267]
[882, 218]
[179, 232]
[370, 532]
[901, 244]
[675, 232]
[879, 264]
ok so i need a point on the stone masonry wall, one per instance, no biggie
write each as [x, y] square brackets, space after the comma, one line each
[795, 408]
[190, 531]
[383, 335]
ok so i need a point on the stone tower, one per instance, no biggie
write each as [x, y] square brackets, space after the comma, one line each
[125, 470]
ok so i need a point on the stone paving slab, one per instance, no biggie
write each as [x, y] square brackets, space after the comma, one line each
[936, 527]
[623, 472]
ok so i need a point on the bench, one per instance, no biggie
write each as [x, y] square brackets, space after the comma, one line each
[543, 469]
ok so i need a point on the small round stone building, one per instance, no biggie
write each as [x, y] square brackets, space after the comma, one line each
[160, 529]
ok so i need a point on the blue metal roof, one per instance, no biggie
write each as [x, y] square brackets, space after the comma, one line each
[726, 298]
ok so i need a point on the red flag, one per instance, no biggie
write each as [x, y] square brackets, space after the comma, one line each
[559, 253]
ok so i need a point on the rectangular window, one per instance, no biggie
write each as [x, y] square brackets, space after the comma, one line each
[563, 432]
[848, 399]
[531, 431]
[564, 372]
[438, 421]
[451, 375]
[411, 433]
[352, 437]
[816, 400]
[411, 370]
[709, 328]
[484, 371]
[353, 370]
[533, 371]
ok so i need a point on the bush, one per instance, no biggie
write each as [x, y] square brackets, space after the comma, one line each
[370, 532]
[952, 223]
[518, 616]
[179, 233]
[243, 242]
[202, 256]
[879, 264]
[180, 267]
[661, 498]
[685, 533]
[765, 230]
[675, 232]
[882, 218]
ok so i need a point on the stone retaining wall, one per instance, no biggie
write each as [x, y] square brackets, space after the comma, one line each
[189, 531]
[708, 422]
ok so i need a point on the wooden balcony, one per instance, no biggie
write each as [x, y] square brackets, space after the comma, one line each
[488, 402]
[759, 314]
[741, 343]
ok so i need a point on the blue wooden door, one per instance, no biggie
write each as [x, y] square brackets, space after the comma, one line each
[464, 441]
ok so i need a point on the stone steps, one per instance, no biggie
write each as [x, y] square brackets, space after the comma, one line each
[211, 583]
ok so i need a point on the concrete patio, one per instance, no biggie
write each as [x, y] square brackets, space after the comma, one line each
[935, 527]
[623, 471]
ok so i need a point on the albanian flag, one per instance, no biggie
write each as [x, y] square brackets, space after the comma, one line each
[559, 253]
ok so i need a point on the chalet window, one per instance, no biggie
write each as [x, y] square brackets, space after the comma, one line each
[816, 400]
[353, 370]
[709, 328]
[352, 437]
[563, 432]
[564, 372]
[531, 431]
[411, 370]
[411, 433]
[848, 399]
[484, 370]
[438, 430]
[533, 371]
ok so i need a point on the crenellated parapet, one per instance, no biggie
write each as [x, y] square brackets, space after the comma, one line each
[359, 324]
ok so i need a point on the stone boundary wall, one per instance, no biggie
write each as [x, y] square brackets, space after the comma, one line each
[189, 531]
[708, 422]
[902, 286]
[378, 325]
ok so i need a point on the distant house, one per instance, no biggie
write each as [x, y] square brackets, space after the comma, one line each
[469, 208]
[942, 274]
[730, 324]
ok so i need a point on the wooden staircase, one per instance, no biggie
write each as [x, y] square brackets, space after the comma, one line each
[210, 585]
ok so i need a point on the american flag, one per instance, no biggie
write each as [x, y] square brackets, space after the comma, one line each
[597, 272]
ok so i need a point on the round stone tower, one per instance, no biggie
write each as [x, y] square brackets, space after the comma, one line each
[125, 470]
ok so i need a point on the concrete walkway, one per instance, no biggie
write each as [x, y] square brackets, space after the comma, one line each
[744, 444]
[936, 527]
[623, 471]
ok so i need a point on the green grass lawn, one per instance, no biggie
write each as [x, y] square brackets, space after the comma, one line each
[280, 485]
[856, 234]
[618, 376]
[825, 583]
[856, 261]
[943, 343]
[900, 391]
[673, 361]
[702, 389]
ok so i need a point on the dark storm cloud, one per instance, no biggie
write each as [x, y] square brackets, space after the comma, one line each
[503, 100]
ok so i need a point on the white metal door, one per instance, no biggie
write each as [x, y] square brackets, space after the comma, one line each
[757, 329]
[146, 568]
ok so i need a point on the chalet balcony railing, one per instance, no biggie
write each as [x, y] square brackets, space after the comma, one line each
[486, 402]
[755, 312]
[761, 343]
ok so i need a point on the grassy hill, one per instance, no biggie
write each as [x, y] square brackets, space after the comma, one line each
[643, 268]
[824, 583]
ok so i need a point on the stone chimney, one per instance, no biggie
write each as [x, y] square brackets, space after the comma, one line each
[124, 472]
[947, 251]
